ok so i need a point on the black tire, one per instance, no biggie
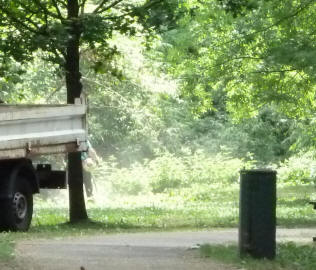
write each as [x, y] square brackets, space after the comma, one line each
[18, 211]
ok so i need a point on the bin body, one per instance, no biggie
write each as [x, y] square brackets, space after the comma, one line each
[257, 213]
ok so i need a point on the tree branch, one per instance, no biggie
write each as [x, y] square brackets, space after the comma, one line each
[58, 54]
[45, 9]
[62, 3]
[62, 53]
[57, 89]
[237, 58]
[28, 9]
[27, 18]
[147, 6]
[82, 6]
[58, 10]
[101, 8]
[152, 3]
[274, 71]
[21, 23]
[301, 8]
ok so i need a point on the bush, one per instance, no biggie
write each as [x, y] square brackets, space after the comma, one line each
[169, 172]
[131, 181]
[297, 170]
[175, 172]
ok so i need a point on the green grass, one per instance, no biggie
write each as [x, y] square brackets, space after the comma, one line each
[207, 207]
[293, 208]
[185, 209]
[290, 256]
[6, 247]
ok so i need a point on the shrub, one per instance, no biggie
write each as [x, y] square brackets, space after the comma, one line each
[297, 170]
[169, 172]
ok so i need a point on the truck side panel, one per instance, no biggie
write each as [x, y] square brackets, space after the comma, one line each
[27, 130]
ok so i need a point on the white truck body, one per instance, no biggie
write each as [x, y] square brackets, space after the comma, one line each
[28, 130]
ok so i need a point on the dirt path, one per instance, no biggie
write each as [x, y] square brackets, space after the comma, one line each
[141, 251]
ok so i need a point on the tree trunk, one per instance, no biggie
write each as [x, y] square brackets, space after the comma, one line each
[77, 208]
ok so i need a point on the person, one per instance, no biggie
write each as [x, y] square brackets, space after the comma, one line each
[89, 159]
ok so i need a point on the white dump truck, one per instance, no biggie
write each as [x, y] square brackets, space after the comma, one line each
[27, 131]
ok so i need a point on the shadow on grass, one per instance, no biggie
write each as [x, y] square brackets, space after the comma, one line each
[84, 227]
[301, 222]
[134, 219]
[91, 227]
[292, 213]
[288, 256]
[302, 202]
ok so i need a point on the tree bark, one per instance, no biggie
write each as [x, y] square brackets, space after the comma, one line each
[77, 208]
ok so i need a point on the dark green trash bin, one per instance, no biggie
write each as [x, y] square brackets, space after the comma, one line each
[257, 213]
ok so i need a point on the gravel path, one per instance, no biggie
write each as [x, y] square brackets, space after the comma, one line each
[141, 251]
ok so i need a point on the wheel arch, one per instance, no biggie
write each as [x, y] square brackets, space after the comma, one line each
[25, 168]
[12, 170]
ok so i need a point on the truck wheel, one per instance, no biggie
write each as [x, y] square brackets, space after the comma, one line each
[19, 209]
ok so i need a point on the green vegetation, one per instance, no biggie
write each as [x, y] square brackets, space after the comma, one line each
[198, 207]
[248, 53]
[192, 206]
[178, 104]
[215, 206]
[6, 247]
[289, 256]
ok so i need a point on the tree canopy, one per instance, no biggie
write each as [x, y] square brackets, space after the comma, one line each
[252, 53]
[28, 26]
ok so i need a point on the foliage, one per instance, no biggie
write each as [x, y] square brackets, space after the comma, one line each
[253, 59]
[200, 182]
[169, 172]
[298, 170]
[49, 25]
[132, 181]
[120, 106]
[130, 119]
[174, 172]
[138, 115]
[36, 82]
[270, 135]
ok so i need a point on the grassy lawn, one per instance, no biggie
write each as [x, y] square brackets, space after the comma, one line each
[192, 209]
[210, 207]
[289, 257]
[7, 241]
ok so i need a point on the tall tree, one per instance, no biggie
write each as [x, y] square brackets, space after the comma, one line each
[60, 28]
[251, 52]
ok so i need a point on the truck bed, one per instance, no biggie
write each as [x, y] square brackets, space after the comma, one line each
[28, 130]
